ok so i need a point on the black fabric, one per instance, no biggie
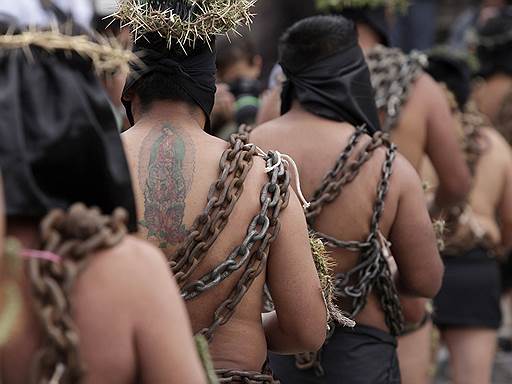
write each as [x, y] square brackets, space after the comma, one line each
[374, 17]
[194, 73]
[452, 71]
[471, 292]
[360, 355]
[495, 48]
[336, 87]
[59, 142]
[506, 273]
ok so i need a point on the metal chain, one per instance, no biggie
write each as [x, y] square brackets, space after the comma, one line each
[73, 235]
[240, 377]
[393, 74]
[252, 253]
[223, 195]
[372, 272]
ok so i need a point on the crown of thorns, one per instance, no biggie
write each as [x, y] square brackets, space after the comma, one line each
[184, 21]
[107, 55]
[325, 5]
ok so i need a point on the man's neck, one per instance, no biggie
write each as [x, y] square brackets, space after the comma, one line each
[26, 231]
[179, 113]
[368, 39]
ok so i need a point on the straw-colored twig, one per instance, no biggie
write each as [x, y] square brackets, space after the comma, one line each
[327, 5]
[324, 267]
[107, 55]
[205, 18]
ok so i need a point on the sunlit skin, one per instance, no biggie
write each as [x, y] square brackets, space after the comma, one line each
[299, 324]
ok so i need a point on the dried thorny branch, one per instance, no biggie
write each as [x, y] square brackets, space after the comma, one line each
[184, 21]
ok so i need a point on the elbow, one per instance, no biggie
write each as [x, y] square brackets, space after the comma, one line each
[427, 285]
[310, 335]
[457, 189]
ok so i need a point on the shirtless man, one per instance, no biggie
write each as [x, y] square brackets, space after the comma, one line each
[174, 163]
[468, 305]
[124, 306]
[493, 94]
[314, 131]
[420, 123]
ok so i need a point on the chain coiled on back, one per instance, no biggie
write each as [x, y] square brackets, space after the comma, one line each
[252, 253]
[393, 75]
[372, 271]
[73, 235]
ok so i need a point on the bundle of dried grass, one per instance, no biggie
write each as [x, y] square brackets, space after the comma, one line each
[326, 5]
[324, 267]
[184, 21]
[107, 55]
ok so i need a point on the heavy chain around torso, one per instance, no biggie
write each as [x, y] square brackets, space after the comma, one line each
[74, 236]
[251, 254]
[372, 273]
[393, 75]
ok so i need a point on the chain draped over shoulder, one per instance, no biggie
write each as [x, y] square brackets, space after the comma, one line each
[252, 253]
[393, 74]
[74, 236]
[372, 272]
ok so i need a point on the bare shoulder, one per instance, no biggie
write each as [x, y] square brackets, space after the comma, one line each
[262, 134]
[406, 175]
[124, 268]
[427, 88]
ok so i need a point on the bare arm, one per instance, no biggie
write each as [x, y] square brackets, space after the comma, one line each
[163, 335]
[299, 322]
[443, 148]
[505, 205]
[413, 240]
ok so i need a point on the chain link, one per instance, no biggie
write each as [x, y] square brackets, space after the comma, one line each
[253, 251]
[73, 235]
[241, 377]
[372, 272]
[393, 75]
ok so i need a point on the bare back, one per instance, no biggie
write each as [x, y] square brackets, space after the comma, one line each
[315, 144]
[128, 330]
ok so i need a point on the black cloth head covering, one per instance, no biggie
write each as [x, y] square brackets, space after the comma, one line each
[193, 72]
[452, 71]
[375, 17]
[495, 45]
[59, 142]
[336, 87]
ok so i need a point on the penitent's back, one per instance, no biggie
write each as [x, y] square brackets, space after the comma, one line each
[315, 144]
[173, 169]
[128, 330]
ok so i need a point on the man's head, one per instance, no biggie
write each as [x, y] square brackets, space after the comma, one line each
[371, 22]
[326, 71]
[163, 83]
[59, 142]
[495, 45]
[453, 71]
[313, 39]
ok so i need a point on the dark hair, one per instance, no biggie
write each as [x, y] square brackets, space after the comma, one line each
[495, 45]
[454, 72]
[315, 38]
[158, 86]
[235, 49]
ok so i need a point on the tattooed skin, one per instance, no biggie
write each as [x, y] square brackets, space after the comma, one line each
[165, 184]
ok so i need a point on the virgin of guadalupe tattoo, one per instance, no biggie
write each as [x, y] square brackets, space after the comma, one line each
[166, 168]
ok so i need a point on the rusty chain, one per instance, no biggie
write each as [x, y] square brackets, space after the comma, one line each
[241, 377]
[393, 74]
[73, 235]
[252, 253]
[372, 272]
